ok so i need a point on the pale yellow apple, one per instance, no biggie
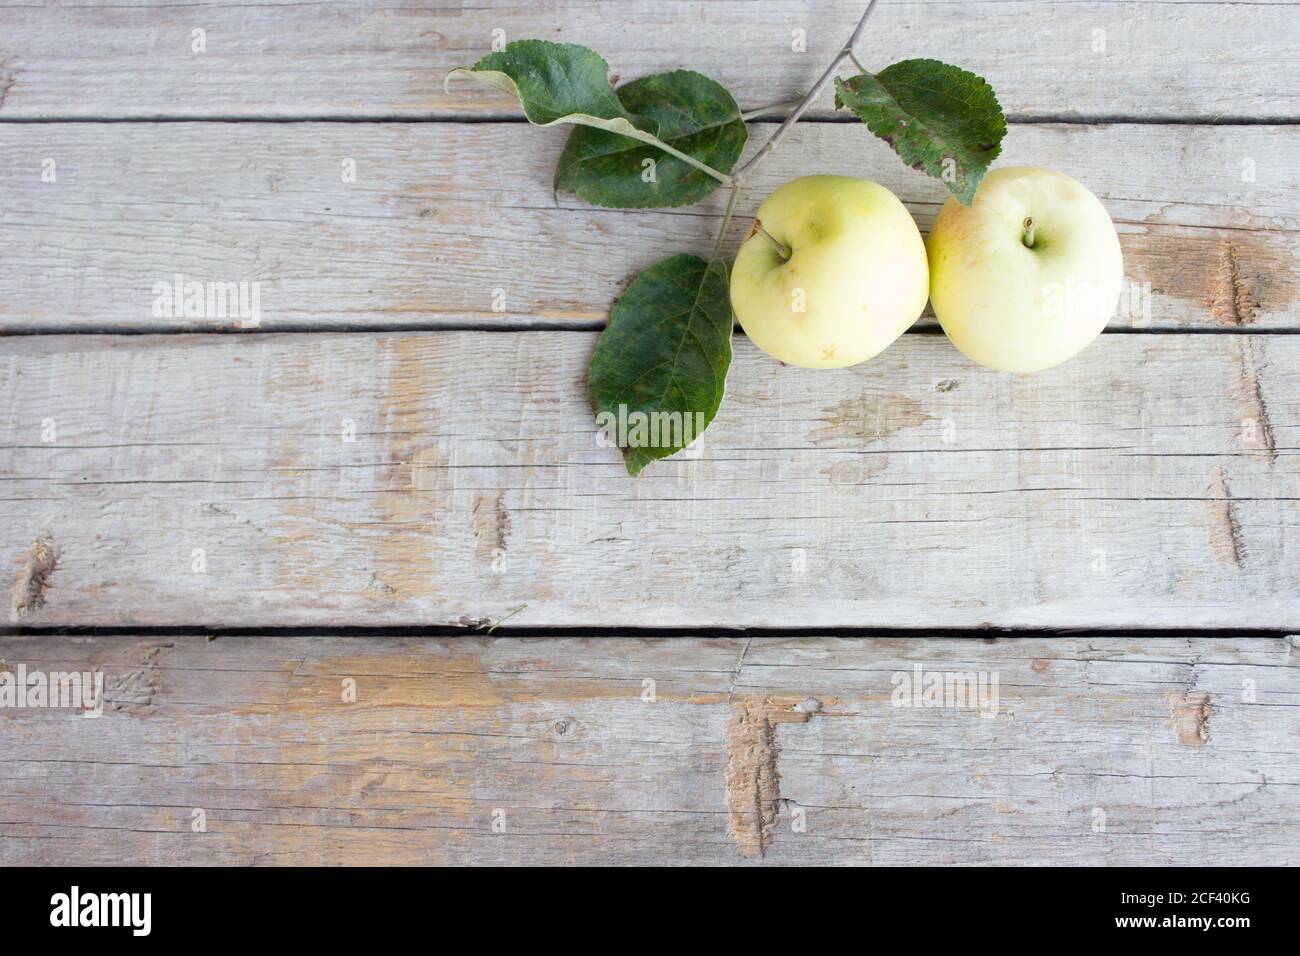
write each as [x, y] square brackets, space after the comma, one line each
[850, 279]
[1027, 276]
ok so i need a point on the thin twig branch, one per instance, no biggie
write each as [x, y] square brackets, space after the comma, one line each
[738, 176]
[774, 108]
[726, 221]
[812, 94]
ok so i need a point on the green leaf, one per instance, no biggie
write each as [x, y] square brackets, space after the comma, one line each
[554, 82]
[693, 113]
[931, 112]
[566, 83]
[660, 367]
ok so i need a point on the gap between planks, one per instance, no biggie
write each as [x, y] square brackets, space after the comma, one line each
[773, 119]
[487, 627]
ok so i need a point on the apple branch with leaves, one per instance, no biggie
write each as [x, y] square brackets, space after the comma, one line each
[671, 139]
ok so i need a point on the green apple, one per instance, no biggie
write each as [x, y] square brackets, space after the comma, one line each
[833, 271]
[1029, 274]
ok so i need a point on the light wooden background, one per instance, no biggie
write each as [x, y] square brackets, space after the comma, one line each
[1117, 540]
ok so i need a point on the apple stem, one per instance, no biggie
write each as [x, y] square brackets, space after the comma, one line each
[784, 250]
[1028, 237]
[739, 175]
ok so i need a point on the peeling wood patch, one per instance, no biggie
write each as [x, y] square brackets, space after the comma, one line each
[378, 584]
[1230, 299]
[1256, 428]
[132, 691]
[1189, 715]
[857, 470]
[8, 78]
[491, 522]
[1237, 278]
[1221, 522]
[855, 422]
[753, 782]
[32, 585]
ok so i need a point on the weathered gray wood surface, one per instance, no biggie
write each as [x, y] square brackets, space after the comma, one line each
[1078, 59]
[1102, 751]
[1149, 482]
[447, 222]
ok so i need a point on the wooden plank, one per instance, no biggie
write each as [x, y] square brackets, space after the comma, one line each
[1094, 59]
[447, 222]
[1097, 750]
[1151, 482]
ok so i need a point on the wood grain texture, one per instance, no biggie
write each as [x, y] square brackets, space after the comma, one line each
[1149, 482]
[447, 222]
[622, 751]
[381, 59]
